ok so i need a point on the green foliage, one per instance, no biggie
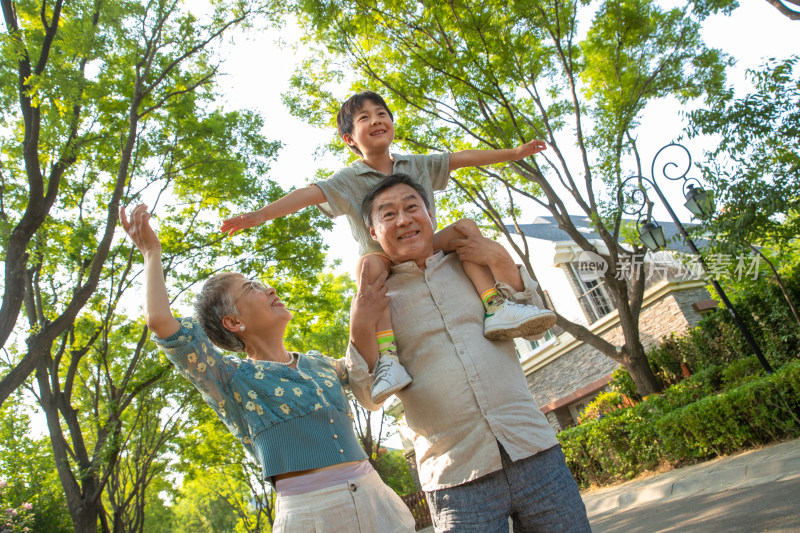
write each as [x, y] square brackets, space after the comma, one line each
[635, 52]
[757, 412]
[158, 513]
[204, 504]
[753, 171]
[716, 343]
[497, 73]
[222, 488]
[122, 108]
[604, 403]
[321, 321]
[622, 382]
[764, 308]
[393, 468]
[28, 480]
[617, 446]
[15, 519]
[726, 405]
[691, 420]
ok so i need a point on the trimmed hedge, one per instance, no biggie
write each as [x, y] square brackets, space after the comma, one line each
[689, 421]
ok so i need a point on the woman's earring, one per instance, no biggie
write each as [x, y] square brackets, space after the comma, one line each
[241, 328]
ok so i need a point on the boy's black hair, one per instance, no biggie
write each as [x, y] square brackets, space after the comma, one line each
[387, 183]
[351, 106]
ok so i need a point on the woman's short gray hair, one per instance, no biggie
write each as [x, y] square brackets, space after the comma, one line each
[212, 304]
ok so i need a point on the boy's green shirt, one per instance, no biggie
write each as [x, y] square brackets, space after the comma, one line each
[347, 187]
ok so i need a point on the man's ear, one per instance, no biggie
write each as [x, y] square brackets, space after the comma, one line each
[231, 323]
[373, 234]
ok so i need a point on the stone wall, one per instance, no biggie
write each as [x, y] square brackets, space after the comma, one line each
[671, 314]
[570, 372]
[582, 365]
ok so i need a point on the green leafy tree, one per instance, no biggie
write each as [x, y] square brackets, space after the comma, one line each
[158, 513]
[149, 427]
[321, 320]
[206, 506]
[754, 169]
[109, 103]
[222, 488]
[493, 74]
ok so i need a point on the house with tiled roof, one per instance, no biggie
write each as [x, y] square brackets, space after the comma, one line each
[565, 374]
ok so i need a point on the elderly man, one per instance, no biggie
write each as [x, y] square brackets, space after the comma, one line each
[484, 450]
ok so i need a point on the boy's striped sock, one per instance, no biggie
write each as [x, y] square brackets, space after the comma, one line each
[491, 300]
[386, 345]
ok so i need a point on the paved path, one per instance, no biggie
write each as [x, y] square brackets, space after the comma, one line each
[754, 467]
[769, 507]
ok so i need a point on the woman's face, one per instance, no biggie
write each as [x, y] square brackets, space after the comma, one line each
[258, 303]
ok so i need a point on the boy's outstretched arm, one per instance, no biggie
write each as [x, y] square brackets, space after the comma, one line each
[479, 158]
[291, 203]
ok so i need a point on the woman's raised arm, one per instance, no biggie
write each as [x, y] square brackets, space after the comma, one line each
[157, 312]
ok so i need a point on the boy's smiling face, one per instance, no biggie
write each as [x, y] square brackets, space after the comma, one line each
[373, 130]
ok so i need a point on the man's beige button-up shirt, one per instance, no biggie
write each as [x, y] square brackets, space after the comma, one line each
[467, 392]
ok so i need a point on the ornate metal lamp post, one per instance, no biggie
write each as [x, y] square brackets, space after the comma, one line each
[633, 200]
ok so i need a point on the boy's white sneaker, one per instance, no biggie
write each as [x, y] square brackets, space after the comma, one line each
[390, 377]
[512, 320]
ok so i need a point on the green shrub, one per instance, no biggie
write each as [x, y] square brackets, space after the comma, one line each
[665, 360]
[622, 382]
[741, 371]
[611, 448]
[765, 311]
[694, 419]
[604, 403]
[756, 412]
[717, 341]
[727, 404]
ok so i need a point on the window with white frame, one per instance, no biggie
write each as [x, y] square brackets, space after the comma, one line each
[525, 347]
[594, 296]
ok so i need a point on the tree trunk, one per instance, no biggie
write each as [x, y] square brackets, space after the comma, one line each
[635, 362]
[84, 519]
[84, 512]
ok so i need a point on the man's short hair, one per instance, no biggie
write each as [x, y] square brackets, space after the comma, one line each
[351, 106]
[387, 183]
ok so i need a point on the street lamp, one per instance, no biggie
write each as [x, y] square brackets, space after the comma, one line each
[652, 235]
[633, 200]
[699, 201]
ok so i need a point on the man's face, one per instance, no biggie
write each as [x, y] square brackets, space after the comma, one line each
[401, 224]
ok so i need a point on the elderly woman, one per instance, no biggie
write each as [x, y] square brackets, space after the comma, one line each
[288, 409]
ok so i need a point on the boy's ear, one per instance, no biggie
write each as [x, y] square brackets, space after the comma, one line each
[348, 139]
